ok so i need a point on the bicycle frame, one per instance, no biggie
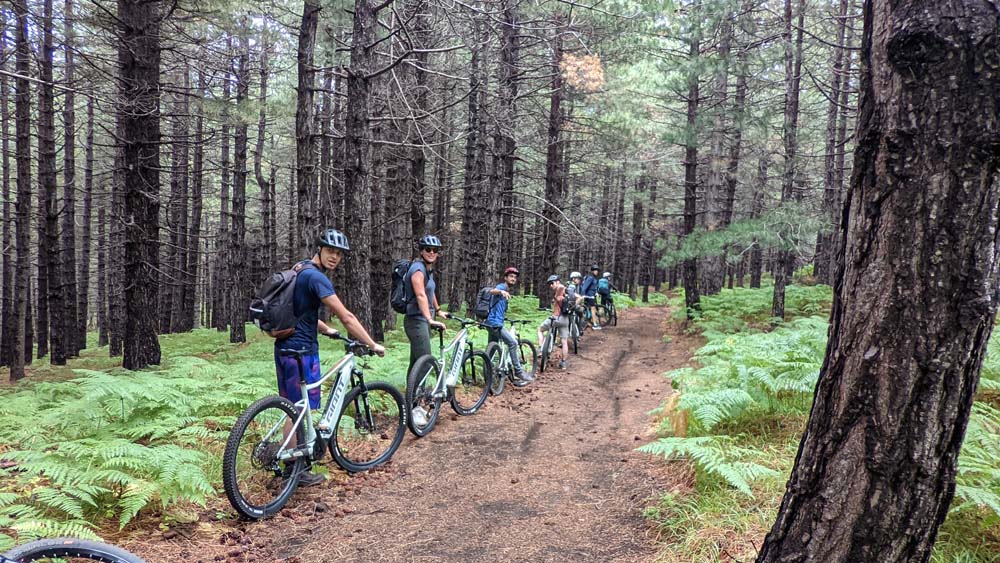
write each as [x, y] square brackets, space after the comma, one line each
[343, 369]
[455, 365]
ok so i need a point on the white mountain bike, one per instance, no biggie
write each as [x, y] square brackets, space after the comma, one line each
[466, 383]
[503, 363]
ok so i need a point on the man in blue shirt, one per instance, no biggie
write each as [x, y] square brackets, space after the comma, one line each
[313, 289]
[498, 312]
[589, 291]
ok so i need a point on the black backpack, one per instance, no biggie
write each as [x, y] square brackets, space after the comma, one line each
[484, 302]
[273, 309]
[397, 297]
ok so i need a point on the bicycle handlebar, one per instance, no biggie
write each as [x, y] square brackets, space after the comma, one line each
[356, 347]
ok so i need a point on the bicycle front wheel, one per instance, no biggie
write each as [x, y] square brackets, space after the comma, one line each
[613, 312]
[473, 384]
[257, 484]
[547, 343]
[369, 427]
[70, 550]
[528, 357]
[574, 332]
[420, 400]
[495, 354]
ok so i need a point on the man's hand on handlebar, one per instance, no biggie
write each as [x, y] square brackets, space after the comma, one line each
[379, 349]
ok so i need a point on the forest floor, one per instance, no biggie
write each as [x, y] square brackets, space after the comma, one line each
[546, 473]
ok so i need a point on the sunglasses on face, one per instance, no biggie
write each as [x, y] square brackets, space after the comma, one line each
[431, 250]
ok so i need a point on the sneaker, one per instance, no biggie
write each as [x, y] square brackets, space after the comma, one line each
[308, 478]
[597, 327]
[562, 364]
[419, 416]
[526, 377]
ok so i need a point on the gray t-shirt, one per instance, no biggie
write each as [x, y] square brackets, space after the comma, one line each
[412, 308]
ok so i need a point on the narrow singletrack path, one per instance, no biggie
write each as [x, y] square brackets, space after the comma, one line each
[547, 473]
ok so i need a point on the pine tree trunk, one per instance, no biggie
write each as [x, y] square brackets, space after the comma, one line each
[83, 289]
[421, 39]
[649, 273]
[915, 299]
[50, 292]
[357, 183]
[756, 206]
[220, 274]
[472, 208]
[635, 255]
[506, 125]
[554, 181]
[22, 209]
[70, 321]
[712, 270]
[691, 296]
[7, 325]
[194, 227]
[116, 252]
[836, 252]
[102, 277]
[793, 78]
[237, 250]
[305, 150]
[176, 317]
[139, 116]
[822, 262]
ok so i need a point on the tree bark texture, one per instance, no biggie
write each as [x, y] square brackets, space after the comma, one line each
[790, 132]
[915, 297]
[305, 150]
[9, 251]
[83, 289]
[554, 181]
[67, 241]
[51, 334]
[139, 117]
[238, 255]
[220, 274]
[357, 182]
[22, 209]
[690, 269]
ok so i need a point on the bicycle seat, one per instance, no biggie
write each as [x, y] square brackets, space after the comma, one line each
[293, 353]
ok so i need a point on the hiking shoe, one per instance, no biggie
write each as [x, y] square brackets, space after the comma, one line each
[419, 416]
[562, 364]
[307, 478]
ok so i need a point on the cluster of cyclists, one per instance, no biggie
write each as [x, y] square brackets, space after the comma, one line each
[273, 444]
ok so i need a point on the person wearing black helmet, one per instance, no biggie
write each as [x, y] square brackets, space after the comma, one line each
[419, 289]
[498, 312]
[589, 291]
[314, 289]
[562, 321]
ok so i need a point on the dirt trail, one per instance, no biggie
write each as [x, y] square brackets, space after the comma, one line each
[542, 474]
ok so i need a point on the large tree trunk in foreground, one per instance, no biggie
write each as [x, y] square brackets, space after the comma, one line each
[50, 291]
[22, 209]
[914, 298]
[139, 130]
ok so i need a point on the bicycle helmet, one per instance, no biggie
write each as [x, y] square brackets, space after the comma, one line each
[594, 267]
[332, 238]
[512, 270]
[575, 275]
[606, 275]
[552, 278]
[429, 241]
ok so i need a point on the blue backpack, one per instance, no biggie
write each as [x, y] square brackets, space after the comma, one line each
[604, 286]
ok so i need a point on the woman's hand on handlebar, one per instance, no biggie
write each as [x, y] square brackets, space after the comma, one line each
[436, 324]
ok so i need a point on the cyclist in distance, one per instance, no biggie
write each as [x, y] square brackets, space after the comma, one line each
[498, 312]
[604, 288]
[421, 298]
[589, 291]
[561, 322]
[573, 295]
[314, 289]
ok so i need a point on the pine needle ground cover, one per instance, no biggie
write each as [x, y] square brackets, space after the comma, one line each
[90, 447]
[739, 415]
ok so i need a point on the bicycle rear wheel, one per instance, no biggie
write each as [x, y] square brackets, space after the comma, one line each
[574, 333]
[495, 354]
[369, 428]
[420, 384]
[70, 550]
[252, 475]
[613, 313]
[474, 383]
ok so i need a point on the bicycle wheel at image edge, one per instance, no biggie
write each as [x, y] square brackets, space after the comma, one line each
[251, 473]
[369, 428]
[420, 384]
[495, 354]
[69, 550]
[473, 385]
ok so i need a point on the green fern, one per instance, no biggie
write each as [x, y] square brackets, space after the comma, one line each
[715, 455]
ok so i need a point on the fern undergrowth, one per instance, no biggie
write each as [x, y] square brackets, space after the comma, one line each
[739, 414]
